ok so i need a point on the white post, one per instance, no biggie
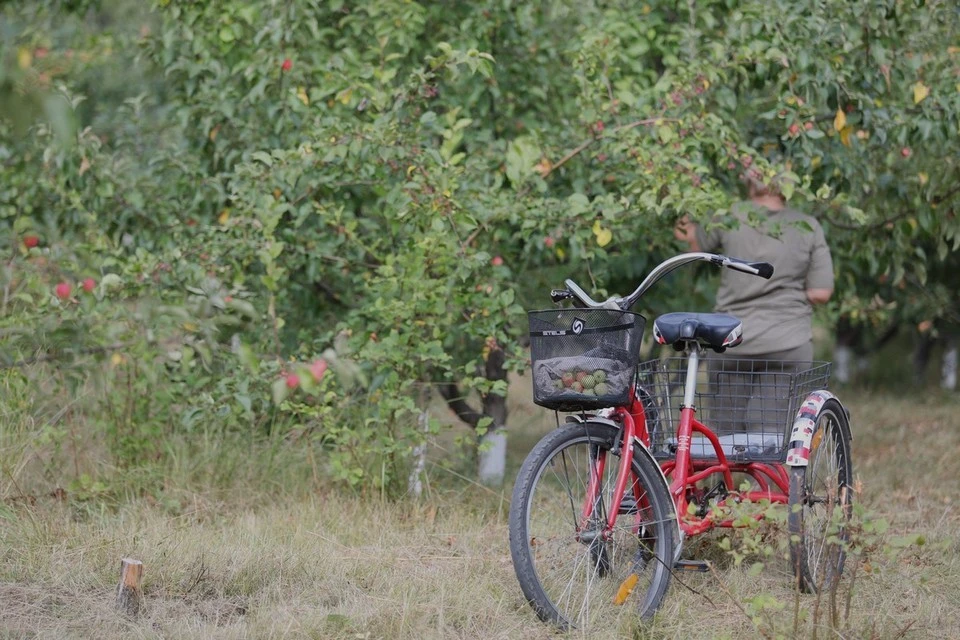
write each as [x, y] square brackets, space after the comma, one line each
[493, 456]
[415, 479]
[842, 355]
[948, 372]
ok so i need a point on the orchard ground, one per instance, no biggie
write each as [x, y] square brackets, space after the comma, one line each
[281, 561]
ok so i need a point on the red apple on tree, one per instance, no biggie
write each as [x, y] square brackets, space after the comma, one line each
[293, 381]
[30, 241]
[794, 130]
[63, 290]
[549, 242]
[496, 261]
[318, 368]
[287, 64]
[89, 285]
[906, 152]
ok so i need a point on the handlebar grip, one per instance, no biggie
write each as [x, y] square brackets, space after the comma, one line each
[762, 269]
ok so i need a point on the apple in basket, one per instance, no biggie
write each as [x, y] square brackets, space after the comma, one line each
[588, 381]
[567, 378]
[601, 389]
[576, 387]
[600, 375]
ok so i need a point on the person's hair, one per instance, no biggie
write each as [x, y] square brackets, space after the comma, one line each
[757, 188]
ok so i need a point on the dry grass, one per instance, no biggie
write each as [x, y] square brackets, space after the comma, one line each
[296, 564]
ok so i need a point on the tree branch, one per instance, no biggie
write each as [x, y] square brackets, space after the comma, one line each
[458, 403]
[949, 194]
[586, 143]
[60, 354]
[872, 227]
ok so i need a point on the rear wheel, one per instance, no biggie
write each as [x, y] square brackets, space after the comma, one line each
[821, 496]
[570, 572]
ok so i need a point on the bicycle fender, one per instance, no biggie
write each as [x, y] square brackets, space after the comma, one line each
[804, 424]
[640, 447]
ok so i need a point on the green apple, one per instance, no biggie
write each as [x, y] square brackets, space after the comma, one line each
[600, 375]
[601, 388]
[588, 382]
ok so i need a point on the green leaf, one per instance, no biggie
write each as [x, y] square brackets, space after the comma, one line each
[483, 424]
[263, 157]
[279, 390]
[666, 134]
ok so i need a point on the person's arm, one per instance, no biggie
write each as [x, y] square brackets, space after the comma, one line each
[819, 296]
[695, 236]
[686, 231]
[819, 283]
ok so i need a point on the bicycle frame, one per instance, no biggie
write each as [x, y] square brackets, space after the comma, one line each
[682, 471]
[685, 471]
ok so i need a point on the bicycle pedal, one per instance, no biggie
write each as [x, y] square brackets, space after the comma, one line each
[628, 505]
[697, 566]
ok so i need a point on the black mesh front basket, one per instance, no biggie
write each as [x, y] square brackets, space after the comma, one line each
[749, 404]
[584, 358]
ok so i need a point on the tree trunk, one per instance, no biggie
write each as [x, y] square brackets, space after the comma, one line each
[921, 357]
[129, 593]
[948, 372]
[842, 355]
[415, 480]
[493, 450]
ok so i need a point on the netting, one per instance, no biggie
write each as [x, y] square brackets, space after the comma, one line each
[749, 404]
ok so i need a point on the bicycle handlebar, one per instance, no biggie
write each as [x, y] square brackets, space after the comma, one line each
[760, 269]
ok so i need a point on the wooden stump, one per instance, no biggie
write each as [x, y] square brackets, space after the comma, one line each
[129, 594]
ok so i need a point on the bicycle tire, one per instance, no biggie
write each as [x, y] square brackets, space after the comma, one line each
[820, 503]
[608, 560]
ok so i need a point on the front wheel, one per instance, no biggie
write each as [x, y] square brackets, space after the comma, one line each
[820, 500]
[570, 572]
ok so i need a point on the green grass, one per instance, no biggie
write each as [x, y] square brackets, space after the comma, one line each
[240, 558]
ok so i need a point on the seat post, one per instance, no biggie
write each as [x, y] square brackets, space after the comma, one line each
[690, 388]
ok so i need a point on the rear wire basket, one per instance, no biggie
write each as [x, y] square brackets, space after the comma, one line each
[749, 404]
[584, 359]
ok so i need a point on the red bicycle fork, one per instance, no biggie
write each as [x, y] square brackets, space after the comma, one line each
[594, 487]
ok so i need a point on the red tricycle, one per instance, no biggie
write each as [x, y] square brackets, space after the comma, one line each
[602, 505]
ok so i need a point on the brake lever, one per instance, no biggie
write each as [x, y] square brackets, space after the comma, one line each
[559, 295]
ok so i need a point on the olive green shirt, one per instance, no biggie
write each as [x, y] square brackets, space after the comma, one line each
[776, 314]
